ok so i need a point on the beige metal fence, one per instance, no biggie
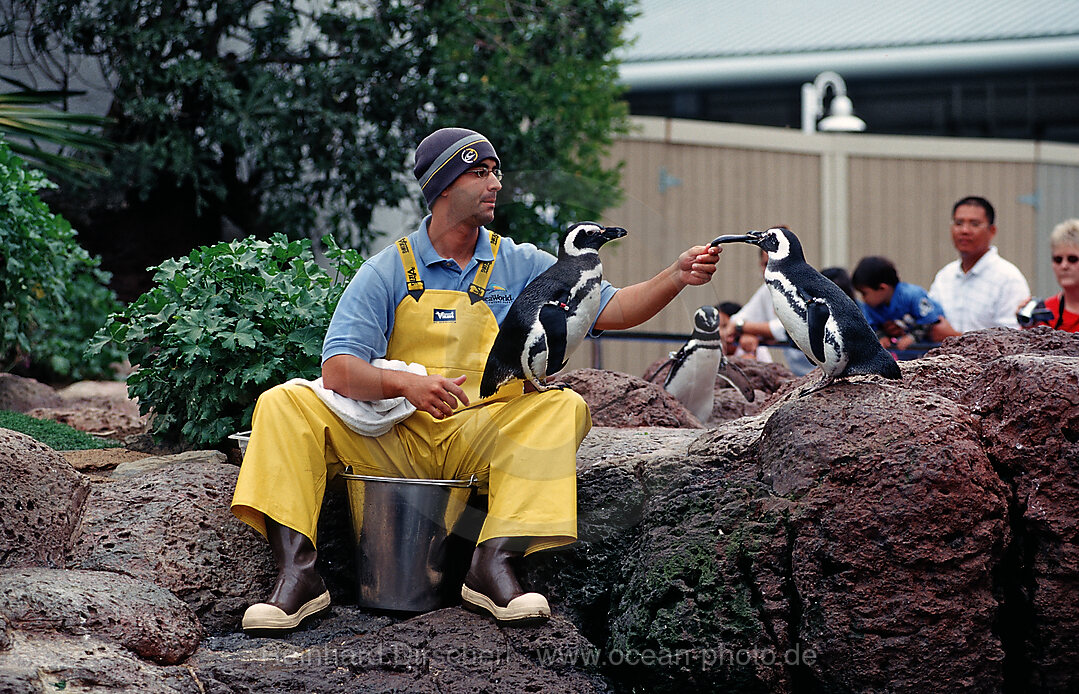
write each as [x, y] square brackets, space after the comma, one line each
[845, 195]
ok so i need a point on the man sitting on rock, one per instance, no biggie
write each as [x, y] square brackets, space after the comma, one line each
[411, 304]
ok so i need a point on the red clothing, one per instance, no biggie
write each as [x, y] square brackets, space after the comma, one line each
[1070, 323]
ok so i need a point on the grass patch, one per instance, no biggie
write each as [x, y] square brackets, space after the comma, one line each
[57, 436]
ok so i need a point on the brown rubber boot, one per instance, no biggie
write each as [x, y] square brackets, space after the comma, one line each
[491, 585]
[299, 592]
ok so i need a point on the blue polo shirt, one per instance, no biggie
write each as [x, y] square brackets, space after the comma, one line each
[908, 300]
[363, 321]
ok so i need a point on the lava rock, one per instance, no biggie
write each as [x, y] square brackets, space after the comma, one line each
[619, 400]
[41, 504]
[21, 394]
[172, 526]
[147, 619]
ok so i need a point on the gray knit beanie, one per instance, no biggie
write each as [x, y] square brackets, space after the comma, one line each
[447, 153]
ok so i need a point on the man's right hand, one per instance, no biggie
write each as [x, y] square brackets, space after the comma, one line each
[355, 378]
[436, 395]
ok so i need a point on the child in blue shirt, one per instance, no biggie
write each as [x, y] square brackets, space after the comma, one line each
[901, 313]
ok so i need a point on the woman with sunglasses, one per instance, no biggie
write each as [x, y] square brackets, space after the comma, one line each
[1064, 243]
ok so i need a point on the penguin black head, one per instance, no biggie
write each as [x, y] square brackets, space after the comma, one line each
[779, 243]
[585, 237]
[706, 320]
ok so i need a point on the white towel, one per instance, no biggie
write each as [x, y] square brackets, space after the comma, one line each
[367, 417]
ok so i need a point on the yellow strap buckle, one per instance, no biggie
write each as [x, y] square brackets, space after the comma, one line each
[478, 289]
[412, 272]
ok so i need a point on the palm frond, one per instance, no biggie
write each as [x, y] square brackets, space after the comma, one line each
[27, 122]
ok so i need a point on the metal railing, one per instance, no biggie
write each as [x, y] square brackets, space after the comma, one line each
[637, 335]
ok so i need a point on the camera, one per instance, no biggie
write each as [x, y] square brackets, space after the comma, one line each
[1033, 313]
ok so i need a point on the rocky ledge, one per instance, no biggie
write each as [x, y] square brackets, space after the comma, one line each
[876, 536]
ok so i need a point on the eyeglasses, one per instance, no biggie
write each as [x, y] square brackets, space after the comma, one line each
[1058, 259]
[484, 172]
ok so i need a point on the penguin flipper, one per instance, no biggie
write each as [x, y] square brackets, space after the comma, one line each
[737, 378]
[497, 372]
[659, 370]
[817, 315]
[495, 375]
[677, 359]
[552, 317]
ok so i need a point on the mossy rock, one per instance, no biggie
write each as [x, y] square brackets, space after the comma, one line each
[55, 435]
[691, 596]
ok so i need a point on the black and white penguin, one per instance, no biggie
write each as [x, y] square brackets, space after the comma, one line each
[818, 316]
[695, 366]
[553, 313]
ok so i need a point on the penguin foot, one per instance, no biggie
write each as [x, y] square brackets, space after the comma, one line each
[826, 381]
[541, 387]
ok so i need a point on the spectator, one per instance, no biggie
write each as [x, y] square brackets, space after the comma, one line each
[841, 279]
[901, 313]
[980, 289]
[758, 317]
[1064, 243]
[748, 346]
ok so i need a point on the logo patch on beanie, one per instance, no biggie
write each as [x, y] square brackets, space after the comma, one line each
[469, 155]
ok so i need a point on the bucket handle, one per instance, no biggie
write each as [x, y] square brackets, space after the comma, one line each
[348, 474]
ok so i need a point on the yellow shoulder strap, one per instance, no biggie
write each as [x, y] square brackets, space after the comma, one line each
[412, 272]
[478, 288]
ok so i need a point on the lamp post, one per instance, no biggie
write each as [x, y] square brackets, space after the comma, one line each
[840, 116]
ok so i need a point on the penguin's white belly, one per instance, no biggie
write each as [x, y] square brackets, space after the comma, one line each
[581, 320]
[585, 299]
[694, 384]
[797, 327]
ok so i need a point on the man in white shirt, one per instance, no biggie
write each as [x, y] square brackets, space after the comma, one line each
[980, 289]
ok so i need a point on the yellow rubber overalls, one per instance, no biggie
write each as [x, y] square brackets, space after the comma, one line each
[522, 447]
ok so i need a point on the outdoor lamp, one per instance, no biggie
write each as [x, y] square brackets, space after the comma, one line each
[840, 116]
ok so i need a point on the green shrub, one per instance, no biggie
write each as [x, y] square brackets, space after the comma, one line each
[222, 325]
[53, 295]
[55, 435]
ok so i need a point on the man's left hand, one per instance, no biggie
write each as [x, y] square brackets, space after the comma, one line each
[893, 329]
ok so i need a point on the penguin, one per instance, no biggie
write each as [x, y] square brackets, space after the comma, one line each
[552, 314]
[694, 367]
[818, 316]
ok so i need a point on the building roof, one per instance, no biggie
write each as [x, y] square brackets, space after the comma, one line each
[702, 42]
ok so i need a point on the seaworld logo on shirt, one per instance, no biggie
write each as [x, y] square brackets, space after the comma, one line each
[497, 295]
[445, 315]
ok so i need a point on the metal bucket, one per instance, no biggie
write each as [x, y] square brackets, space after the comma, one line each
[241, 438]
[405, 532]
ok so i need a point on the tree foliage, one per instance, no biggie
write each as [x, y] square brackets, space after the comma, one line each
[222, 325]
[289, 116]
[53, 295]
[541, 81]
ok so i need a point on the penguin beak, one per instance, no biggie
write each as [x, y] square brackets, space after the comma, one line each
[752, 237]
[614, 232]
